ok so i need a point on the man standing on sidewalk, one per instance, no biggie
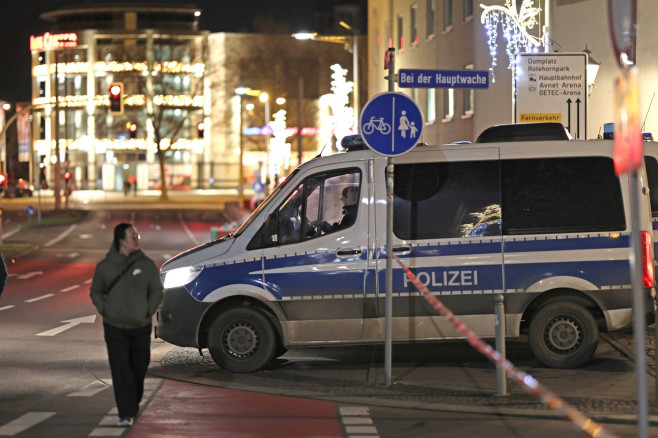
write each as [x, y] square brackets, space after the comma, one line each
[126, 290]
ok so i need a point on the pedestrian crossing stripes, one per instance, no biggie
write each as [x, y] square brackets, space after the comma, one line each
[24, 422]
[357, 422]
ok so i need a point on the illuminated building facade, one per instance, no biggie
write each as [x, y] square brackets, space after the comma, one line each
[156, 54]
[451, 35]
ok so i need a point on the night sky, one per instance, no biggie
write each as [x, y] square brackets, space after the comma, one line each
[20, 18]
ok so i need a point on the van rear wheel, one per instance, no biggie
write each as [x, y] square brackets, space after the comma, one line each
[242, 340]
[563, 335]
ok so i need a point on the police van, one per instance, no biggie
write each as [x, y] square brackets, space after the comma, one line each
[547, 224]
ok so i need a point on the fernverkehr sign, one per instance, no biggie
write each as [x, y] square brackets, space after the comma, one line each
[412, 78]
[552, 87]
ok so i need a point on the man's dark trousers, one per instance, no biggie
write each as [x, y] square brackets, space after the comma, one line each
[129, 351]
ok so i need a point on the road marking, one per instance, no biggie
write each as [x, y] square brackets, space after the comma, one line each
[88, 281]
[24, 422]
[5, 308]
[61, 236]
[29, 275]
[42, 297]
[187, 229]
[70, 323]
[90, 390]
[70, 288]
[11, 233]
[357, 422]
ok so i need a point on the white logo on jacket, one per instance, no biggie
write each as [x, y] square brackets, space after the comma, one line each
[137, 271]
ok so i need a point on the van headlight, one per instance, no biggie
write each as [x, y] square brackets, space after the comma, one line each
[180, 276]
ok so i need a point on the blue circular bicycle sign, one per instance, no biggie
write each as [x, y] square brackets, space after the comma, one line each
[391, 124]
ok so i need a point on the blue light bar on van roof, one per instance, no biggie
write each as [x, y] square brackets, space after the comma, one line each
[353, 142]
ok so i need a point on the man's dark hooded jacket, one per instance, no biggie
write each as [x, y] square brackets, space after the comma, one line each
[135, 297]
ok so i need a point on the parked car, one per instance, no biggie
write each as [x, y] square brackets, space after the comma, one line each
[16, 188]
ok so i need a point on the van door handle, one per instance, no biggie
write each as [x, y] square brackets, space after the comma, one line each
[401, 250]
[348, 252]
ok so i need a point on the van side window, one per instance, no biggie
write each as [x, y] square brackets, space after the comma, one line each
[446, 200]
[510, 197]
[561, 195]
[652, 175]
[321, 204]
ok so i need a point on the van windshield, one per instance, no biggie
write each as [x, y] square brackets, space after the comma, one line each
[264, 204]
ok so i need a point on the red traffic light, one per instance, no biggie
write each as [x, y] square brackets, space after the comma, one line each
[133, 130]
[67, 176]
[200, 127]
[116, 98]
[3, 178]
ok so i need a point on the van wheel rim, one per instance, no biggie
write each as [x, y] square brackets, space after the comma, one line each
[241, 339]
[562, 335]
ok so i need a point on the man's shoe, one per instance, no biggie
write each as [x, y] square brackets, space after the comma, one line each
[125, 422]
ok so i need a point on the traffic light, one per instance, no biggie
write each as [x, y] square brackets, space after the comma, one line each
[116, 97]
[200, 127]
[3, 178]
[133, 130]
[67, 183]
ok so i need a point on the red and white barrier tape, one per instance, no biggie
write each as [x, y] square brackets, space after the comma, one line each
[526, 381]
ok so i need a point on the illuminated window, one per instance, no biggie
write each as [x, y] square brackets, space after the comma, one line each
[430, 18]
[414, 25]
[400, 33]
[448, 104]
[447, 15]
[468, 97]
[468, 9]
[430, 110]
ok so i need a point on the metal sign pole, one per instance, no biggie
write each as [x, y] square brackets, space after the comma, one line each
[639, 321]
[388, 346]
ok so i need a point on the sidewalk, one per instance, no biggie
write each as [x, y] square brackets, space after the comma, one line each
[198, 396]
[215, 199]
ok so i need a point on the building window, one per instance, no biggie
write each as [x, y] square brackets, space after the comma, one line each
[414, 25]
[400, 33]
[430, 110]
[430, 18]
[447, 15]
[378, 47]
[468, 97]
[468, 10]
[448, 104]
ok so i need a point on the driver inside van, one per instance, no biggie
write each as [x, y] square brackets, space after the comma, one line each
[349, 198]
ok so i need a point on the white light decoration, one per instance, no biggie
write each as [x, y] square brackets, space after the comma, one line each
[342, 115]
[279, 149]
[515, 25]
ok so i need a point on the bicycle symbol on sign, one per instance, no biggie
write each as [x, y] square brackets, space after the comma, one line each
[378, 124]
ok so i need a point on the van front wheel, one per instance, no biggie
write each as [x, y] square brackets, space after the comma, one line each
[563, 335]
[242, 340]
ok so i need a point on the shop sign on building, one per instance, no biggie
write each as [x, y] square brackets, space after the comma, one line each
[552, 87]
[51, 41]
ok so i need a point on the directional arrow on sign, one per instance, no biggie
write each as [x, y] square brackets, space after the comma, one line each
[69, 324]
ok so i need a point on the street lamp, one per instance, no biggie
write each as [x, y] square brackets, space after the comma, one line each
[351, 44]
[592, 69]
[264, 98]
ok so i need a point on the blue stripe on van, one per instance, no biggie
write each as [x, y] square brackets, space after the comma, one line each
[214, 277]
[565, 243]
[321, 274]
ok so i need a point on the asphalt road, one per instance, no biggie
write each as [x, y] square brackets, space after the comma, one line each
[55, 378]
